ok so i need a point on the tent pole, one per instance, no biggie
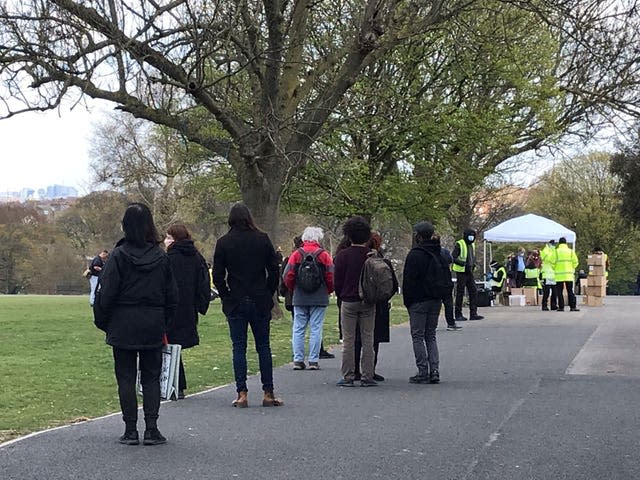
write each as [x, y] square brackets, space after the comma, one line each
[484, 260]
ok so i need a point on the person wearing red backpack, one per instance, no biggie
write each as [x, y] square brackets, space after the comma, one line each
[309, 275]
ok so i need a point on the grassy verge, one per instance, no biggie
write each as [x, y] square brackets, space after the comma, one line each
[56, 368]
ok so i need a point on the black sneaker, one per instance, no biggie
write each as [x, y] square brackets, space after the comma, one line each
[153, 437]
[368, 383]
[130, 438]
[345, 383]
[299, 366]
[325, 355]
[475, 317]
[545, 309]
[574, 309]
[419, 379]
[378, 378]
[453, 328]
[434, 376]
[461, 318]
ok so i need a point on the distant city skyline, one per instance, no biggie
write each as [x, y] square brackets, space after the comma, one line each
[47, 148]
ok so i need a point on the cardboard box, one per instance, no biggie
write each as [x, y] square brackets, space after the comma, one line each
[600, 291]
[517, 301]
[517, 291]
[595, 259]
[594, 301]
[596, 270]
[596, 280]
[531, 295]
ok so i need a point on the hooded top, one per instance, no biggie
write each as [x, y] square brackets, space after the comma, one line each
[194, 288]
[136, 296]
[426, 274]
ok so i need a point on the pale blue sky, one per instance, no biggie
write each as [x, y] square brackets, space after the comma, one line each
[40, 149]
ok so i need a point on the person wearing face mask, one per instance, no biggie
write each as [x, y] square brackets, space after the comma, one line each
[194, 292]
[464, 258]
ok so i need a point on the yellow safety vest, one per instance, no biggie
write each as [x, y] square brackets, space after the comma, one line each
[530, 274]
[495, 283]
[566, 263]
[463, 256]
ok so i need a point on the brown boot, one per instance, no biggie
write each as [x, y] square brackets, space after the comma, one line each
[242, 401]
[269, 400]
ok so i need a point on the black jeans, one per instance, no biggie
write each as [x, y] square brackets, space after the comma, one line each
[466, 280]
[244, 315]
[570, 296]
[126, 371]
[447, 301]
[549, 290]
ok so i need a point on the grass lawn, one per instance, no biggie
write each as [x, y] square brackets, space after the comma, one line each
[56, 369]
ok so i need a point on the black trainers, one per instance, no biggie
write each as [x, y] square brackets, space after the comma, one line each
[574, 309]
[345, 383]
[326, 355]
[453, 328]
[368, 383]
[461, 318]
[153, 437]
[299, 366]
[419, 379]
[378, 378]
[475, 317]
[130, 438]
[434, 376]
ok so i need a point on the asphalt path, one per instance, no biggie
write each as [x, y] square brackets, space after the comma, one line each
[525, 394]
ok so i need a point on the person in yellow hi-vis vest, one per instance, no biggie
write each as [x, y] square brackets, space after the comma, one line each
[548, 256]
[564, 269]
[464, 263]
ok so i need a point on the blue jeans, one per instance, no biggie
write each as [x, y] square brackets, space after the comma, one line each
[303, 316]
[243, 315]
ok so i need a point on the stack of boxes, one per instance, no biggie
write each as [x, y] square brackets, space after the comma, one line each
[596, 281]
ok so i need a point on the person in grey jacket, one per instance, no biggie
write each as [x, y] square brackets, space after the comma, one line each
[309, 307]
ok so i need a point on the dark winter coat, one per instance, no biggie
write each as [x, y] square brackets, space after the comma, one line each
[194, 292]
[245, 266]
[426, 274]
[136, 297]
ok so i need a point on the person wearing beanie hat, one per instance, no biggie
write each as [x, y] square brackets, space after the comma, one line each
[426, 280]
[498, 276]
[464, 258]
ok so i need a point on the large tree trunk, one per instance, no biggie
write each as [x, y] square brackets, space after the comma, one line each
[261, 185]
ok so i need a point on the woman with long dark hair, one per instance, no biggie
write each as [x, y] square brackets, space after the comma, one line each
[245, 272]
[135, 301]
[192, 276]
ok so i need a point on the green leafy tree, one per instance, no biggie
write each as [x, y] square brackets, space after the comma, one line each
[582, 194]
[625, 164]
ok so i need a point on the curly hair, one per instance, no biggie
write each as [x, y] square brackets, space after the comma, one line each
[357, 229]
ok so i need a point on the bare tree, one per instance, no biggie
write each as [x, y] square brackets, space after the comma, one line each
[265, 75]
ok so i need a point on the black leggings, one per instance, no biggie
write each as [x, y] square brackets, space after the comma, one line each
[126, 372]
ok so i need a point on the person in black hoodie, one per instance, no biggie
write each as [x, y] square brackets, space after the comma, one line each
[426, 282]
[135, 302]
[245, 272]
[192, 276]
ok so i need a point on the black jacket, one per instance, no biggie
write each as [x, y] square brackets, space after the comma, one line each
[136, 297]
[194, 292]
[426, 274]
[245, 266]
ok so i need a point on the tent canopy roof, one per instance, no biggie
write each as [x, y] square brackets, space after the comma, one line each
[529, 228]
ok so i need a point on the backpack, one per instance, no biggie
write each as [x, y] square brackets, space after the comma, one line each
[310, 272]
[439, 275]
[377, 280]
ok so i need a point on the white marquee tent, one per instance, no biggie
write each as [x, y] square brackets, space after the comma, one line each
[528, 228]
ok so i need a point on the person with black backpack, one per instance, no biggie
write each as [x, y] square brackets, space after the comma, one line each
[426, 281]
[309, 275]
